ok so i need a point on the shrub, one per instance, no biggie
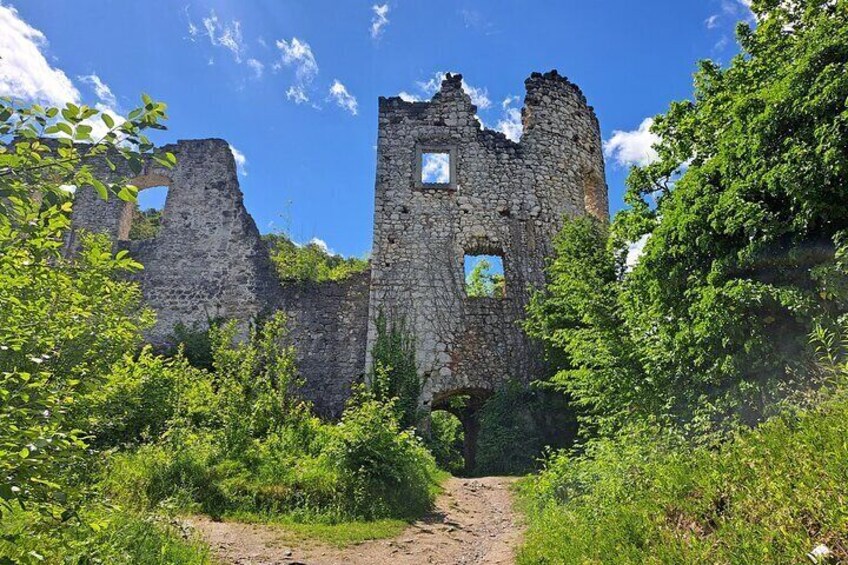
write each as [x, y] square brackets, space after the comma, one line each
[310, 262]
[508, 442]
[384, 470]
[446, 441]
[139, 399]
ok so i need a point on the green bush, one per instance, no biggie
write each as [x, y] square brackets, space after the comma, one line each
[104, 535]
[768, 496]
[310, 262]
[237, 441]
[508, 442]
[446, 441]
[139, 399]
[364, 468]
[384, 470]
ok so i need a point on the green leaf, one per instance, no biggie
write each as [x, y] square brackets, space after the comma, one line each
[100, 188]
[107, 119]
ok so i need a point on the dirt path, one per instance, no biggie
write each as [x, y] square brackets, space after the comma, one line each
[473, 523]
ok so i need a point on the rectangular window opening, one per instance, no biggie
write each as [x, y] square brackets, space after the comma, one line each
[484, 276]
[436, 168]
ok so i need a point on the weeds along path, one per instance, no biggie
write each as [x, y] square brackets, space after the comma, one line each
[473, 522]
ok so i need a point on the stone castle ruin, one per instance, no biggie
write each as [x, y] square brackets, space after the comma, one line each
[500, 198]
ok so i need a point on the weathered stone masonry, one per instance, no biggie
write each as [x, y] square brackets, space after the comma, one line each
[504, 198]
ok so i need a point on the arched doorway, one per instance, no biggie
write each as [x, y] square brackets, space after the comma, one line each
[465, 405]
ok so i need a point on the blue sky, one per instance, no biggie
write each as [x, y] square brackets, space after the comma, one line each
[293, 86]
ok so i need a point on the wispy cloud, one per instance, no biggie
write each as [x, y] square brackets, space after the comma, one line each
[298, 54]
[339, 93]
[379, 20]
[222, 34]
[435, 168]
[101, 90]
[712, 21]
[257, 67]
[241, 161]
[633, 147]
[479, 96]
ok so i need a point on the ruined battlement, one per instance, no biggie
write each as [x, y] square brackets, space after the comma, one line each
[493, 196]
[498, 197]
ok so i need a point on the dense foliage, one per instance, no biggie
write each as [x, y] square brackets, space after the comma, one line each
[394, 374]
[770, 495]
[101, 438]
[509, 441]
[744, 218]
[746, 213]
[145, 224]
[238, 441]
[310, 261]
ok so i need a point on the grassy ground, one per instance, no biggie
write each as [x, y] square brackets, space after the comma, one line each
[770, 496]
[102, 536]
[338, 534]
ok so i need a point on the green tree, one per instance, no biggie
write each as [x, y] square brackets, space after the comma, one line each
[746, 211]
[481, 282]
[65, 320]
[310, 262]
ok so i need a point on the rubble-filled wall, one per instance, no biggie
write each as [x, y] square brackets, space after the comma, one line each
[503, 198]
[328, 325]
[209, 261]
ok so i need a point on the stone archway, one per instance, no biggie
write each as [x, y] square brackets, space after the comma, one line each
[465, 404]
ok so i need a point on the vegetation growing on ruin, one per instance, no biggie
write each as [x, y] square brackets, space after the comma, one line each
[145, 224]
[482, 282]
[310, 261]
[670, 361]
[102, 438]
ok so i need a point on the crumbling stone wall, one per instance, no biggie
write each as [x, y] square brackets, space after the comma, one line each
[328, 324]
[209, 261]
[504, 198]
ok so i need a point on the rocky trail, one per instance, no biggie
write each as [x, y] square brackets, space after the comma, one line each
[473, 522]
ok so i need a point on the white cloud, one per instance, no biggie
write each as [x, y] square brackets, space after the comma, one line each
[241, 161]
[479, 96]
[510, 124]
[226, 35]
[380, 20]
[712, 21]
[635, 250]
[633, 147]
[24, 71]
[298, 54]
[407, 97]
[435, 168]
[321, 244]
[258, 67]
[101, 90]
[297, 95]
[343, 98]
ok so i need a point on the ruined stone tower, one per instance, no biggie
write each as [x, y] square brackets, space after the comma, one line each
[498, 197]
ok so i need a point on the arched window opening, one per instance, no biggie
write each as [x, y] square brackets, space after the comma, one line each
[143, 219]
